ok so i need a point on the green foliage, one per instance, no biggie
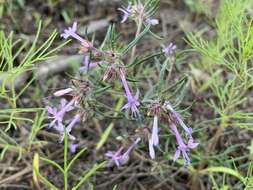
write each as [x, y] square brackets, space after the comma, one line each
[12, 74]
[8, 143]
[107, 131]
[135, 41]
[18, 59]
[224, 72]
[227, 62]
[65, 169]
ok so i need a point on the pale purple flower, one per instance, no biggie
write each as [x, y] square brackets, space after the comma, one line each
[154, 139]
[139, 9]
[126, 12]
[168, 51]
[152, 22]
[63, 92]
[132, 104]
[182, 147]
[63, 103]
[60, 128]
[87, 64]
[115, 157]
[155, 131]
[125, 156]
[72, 147]
[57, 116]
[74, 121]
[151, 148]
[119, 158]
[132, 101]
[178, 118]
[71, 32]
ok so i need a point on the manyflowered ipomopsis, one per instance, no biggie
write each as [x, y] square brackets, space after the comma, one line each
[110, 60]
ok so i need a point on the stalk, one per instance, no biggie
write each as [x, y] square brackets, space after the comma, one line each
[65, 160]
[139, 25]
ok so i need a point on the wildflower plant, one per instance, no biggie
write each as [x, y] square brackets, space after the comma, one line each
[109, 71]
[109, 61]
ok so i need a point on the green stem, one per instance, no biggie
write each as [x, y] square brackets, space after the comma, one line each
[13, 103]
[139, 25]
[65, 161]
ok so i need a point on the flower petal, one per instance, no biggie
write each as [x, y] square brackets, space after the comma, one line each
[72, 147]
[74, 27]
[63, 92]
[51, 110]
[152, 21]
[151, 149]
[192, 144]
[137, 95]
[154, 136]
[176, 155]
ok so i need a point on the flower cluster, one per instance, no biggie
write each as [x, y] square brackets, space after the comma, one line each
[132, 101]
[113, 61]
[174, 119]
[182, 147]
[138, 13]
[57, 115]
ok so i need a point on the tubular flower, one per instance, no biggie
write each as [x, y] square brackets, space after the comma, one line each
[125, 156]
[115, 157]
[119, 158]
[137, 12]
[132, 101]
[154, 139]
[182, 147]
[60, 128]
[74, 121]
[152, 22]
[63, 92]
[72, 147]
[178, 118]
[126, 12]
[168, 51]
[71, 32]
[57, 116]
